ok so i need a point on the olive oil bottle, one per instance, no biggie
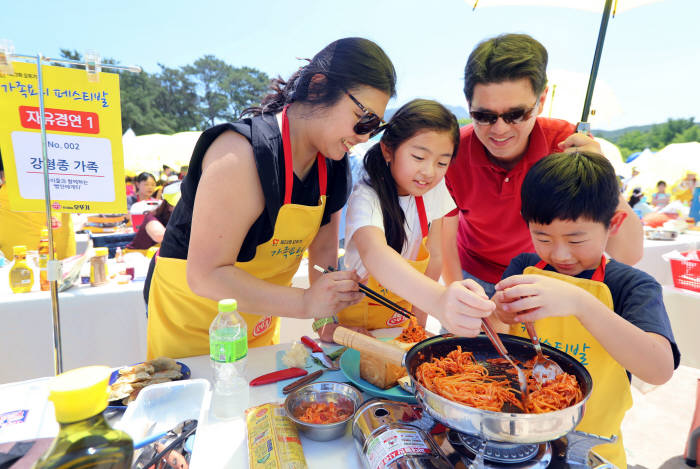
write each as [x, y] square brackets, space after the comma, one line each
[85, 440]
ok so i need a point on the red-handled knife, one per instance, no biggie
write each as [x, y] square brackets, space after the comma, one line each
[278, 375]
[317, 352]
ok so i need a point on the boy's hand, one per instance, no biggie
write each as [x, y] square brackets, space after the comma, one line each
[462, 306]
[527, 298]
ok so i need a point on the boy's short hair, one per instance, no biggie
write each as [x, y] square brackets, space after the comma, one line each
[569, 186]
[505, 58]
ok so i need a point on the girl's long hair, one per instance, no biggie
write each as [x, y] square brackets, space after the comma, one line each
[413, 117]
[346, 63]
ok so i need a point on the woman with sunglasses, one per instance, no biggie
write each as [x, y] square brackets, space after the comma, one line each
[261, 191]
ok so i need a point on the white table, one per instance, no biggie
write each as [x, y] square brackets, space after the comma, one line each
[219, 444]
[683, 308]
[654, 265]
[103, 325]
[662, 415]
[223, 444]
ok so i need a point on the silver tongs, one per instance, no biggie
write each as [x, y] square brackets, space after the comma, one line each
[496, 341]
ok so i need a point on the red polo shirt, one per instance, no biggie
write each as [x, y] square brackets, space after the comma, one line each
[491, 231]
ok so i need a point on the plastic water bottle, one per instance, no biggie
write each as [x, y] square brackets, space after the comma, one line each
[228, 351]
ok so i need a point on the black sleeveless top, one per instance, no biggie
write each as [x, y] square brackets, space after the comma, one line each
[264, 135]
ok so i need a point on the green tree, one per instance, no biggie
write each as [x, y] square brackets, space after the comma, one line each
[658, 136]
[140, 110]
[210, 76]
[177, 98]
[245, 87]
[192, 97]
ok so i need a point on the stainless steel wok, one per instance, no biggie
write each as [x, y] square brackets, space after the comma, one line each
[503, 426]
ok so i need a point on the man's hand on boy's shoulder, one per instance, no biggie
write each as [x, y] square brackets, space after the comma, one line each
[579, 142]
[527, 298]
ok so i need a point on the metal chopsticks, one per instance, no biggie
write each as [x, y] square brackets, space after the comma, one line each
[379, 298]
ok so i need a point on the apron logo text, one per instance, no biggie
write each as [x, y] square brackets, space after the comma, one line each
[262, 326]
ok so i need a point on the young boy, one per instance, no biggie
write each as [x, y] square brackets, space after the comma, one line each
[608, 315]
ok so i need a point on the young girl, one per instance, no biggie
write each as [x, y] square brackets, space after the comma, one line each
[394, 219]
[145, 188]
[152, 227]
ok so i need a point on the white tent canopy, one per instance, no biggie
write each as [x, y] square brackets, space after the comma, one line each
[151, 152]
[612, 153]
[669, 164]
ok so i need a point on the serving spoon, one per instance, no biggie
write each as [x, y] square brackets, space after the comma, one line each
[543, 369]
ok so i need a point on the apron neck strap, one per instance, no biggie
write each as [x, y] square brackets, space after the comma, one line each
[289, 166]
[598, 275]
[422, 216]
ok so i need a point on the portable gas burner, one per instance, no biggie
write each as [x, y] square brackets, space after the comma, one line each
[397, 435]
[571, 451]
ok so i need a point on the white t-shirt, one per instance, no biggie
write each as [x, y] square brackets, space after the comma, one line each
[364, 209]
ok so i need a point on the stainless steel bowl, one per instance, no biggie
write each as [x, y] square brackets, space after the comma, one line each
[322, 391]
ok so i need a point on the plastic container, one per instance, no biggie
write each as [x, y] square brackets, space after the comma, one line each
[21, 275]
[228, 351]
[166, 405]
[123, 279]
[84, 437]
[98, 267]
[686, 273]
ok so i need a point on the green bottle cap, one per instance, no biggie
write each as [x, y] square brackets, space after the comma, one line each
[228, 305]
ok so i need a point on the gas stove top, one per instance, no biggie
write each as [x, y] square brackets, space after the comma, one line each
[461, 450]
[398, 435]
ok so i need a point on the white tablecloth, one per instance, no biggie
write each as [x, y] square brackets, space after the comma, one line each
[663, 415]
[683, 308]
[99, 326]
[654, 265]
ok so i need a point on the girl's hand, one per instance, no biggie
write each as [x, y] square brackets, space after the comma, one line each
[527, 298]
[331, 293]
[462, 306]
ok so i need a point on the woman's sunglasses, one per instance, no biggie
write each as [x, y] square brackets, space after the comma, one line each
[515, 116]
[369, 123]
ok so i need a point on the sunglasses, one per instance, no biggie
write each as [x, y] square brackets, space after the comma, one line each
[515, 116]
[369, 123]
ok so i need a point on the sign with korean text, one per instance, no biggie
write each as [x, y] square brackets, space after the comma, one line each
[83, 135]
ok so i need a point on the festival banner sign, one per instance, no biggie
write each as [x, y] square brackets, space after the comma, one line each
[83, 133]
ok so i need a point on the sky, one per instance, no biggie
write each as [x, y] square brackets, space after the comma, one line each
[648, 73]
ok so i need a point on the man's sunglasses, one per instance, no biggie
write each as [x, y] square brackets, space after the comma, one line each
[369, 123]
[515, 116]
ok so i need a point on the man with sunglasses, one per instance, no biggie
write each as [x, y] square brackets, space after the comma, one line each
[505, 86]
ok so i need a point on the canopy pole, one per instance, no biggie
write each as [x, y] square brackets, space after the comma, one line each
[594, 67]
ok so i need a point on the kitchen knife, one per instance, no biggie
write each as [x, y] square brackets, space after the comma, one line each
[317, 351]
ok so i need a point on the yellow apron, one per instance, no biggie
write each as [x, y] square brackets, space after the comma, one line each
[371, 315]
[24, 228]
[178, 319]
[611, 396]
